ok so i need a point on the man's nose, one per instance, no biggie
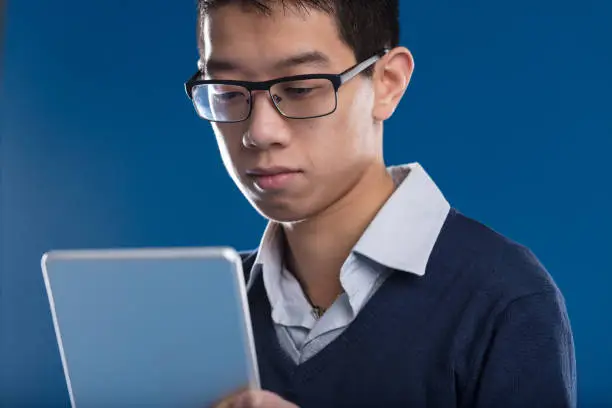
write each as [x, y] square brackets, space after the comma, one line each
[267, 127]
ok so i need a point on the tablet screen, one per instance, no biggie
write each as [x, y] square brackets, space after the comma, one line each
[147, 330]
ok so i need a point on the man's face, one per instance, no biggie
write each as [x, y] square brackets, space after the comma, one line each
[327, 156]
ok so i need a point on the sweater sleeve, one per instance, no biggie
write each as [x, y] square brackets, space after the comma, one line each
[530, 360]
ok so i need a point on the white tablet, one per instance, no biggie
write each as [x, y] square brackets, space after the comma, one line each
[151, 327]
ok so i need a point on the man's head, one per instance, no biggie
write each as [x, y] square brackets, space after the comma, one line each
[339, 141]
[365, 26]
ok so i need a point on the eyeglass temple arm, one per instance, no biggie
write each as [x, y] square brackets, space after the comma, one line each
[193, 78]
[357, 69]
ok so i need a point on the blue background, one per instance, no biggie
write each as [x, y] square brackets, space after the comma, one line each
[509, 110]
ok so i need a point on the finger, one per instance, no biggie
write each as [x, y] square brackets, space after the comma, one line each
[228, 401]
[249, 399]
[260, 399]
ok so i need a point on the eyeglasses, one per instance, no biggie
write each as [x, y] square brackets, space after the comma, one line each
[295, 97]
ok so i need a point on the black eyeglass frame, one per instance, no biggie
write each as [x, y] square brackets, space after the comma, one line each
[337, 81]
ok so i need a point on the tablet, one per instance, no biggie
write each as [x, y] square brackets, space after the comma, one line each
[151, 327]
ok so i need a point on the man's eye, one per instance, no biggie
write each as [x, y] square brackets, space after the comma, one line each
[227, 96]
[298, 91]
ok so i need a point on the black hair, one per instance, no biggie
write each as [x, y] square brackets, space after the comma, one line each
[366, 26]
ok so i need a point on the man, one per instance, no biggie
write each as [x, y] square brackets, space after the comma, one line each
[367, 289]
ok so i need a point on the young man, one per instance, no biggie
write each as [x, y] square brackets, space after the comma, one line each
[368, 288]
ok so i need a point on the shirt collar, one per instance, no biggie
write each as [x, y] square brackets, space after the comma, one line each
[405, 230]
[269, 253]
[401, 236]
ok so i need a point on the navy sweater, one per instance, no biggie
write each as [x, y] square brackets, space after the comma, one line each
[484, 327]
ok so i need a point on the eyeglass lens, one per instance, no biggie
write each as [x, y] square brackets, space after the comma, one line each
[294, 99]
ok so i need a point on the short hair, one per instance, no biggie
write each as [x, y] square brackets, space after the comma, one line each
[366, 26]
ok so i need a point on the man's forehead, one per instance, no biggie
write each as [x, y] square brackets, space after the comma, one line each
[213, 63]
[231, 41]
[231, 23]
[272, 8]
[275, 14]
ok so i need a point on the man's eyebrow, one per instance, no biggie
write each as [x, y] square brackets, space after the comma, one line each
[314, 58]
[216, 65]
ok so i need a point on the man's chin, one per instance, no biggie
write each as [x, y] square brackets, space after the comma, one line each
[282, 216]
[278, 212]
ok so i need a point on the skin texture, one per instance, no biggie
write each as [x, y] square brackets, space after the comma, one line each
[342, 180]
[255, 399]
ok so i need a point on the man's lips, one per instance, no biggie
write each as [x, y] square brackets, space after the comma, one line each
[270, 171]
[273, 178]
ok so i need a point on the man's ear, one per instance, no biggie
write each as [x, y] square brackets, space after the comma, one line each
[391, 78]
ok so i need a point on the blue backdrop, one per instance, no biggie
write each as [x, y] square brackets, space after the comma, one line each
[509, 110]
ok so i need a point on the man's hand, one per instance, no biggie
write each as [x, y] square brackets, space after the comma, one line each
[255, 399]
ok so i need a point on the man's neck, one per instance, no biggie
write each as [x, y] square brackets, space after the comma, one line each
[316, 248]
